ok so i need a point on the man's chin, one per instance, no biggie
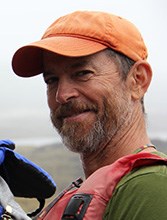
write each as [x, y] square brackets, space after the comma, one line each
[75, 138]
[81, 137]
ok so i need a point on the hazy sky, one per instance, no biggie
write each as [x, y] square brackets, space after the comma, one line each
[22, 22]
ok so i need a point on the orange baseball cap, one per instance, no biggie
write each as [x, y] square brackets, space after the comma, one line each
[81, 33]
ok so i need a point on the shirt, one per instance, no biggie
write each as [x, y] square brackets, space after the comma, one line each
[140, 195]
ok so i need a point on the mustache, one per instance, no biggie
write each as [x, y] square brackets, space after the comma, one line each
[72, 108]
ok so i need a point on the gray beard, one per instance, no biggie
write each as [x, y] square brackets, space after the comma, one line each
[78, 138]
[85, 143]
[102, 131]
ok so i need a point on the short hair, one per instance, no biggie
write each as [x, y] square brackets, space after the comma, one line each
[124, 65]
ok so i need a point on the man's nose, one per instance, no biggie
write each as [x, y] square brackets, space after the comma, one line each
[66, 91]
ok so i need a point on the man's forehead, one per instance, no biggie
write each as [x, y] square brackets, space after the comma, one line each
[74, 62]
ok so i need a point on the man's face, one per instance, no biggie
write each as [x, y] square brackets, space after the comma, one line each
[89, 103]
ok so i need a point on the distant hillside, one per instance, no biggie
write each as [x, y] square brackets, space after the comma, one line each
[161, 145]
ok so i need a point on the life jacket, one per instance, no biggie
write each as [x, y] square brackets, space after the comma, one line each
[90, 200]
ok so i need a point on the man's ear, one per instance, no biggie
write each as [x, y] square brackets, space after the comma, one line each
[139, 79]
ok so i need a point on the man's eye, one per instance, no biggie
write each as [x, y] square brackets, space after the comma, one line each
[51, 80]
[84, 75]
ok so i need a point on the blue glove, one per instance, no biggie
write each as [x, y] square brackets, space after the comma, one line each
[24, 178]
[2, 210]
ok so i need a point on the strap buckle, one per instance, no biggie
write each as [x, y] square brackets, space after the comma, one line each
[77, 207]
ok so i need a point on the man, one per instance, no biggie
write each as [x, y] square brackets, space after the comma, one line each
[94, 65]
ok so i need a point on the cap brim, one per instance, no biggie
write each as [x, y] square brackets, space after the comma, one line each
[27, 61]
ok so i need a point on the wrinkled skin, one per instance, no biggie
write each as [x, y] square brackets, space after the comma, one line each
[88, 100]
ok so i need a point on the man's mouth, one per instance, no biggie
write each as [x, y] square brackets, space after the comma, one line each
[74, 111]
[74, 114]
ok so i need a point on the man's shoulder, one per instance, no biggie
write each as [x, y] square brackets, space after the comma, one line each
[157, 169]
[140, 193]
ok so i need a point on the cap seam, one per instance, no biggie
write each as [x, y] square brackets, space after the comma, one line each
[80, 37]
